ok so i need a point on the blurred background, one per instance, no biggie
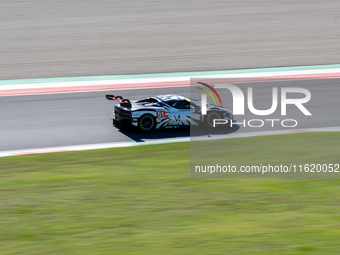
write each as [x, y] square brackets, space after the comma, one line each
[141, 200]
[46, 38]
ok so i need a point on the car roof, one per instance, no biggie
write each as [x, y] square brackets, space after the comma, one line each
[170, 97]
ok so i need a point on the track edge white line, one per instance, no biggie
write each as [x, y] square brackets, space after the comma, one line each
[162, 141]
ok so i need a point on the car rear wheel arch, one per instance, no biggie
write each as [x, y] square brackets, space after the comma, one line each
[146, 122]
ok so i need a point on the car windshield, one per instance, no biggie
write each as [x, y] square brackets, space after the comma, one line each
[194, 104]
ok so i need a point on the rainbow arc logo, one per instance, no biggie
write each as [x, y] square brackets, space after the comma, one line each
[209, 93]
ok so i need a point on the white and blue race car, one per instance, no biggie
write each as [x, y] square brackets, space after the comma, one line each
[166, 111]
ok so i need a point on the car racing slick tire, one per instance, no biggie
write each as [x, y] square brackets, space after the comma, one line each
[146, 122]
[209, 121]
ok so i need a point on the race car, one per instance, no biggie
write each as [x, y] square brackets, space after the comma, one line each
[166, 111]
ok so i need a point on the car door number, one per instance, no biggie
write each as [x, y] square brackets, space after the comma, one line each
[161, 114]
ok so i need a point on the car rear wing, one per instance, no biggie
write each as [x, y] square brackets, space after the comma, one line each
[123, 102]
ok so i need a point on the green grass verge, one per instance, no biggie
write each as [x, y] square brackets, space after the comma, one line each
[140, 200]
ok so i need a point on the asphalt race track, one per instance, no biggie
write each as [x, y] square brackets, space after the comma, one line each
[39, 121]
[44, 39]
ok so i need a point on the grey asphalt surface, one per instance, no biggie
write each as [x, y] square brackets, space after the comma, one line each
[38, 121]
[64, 38]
